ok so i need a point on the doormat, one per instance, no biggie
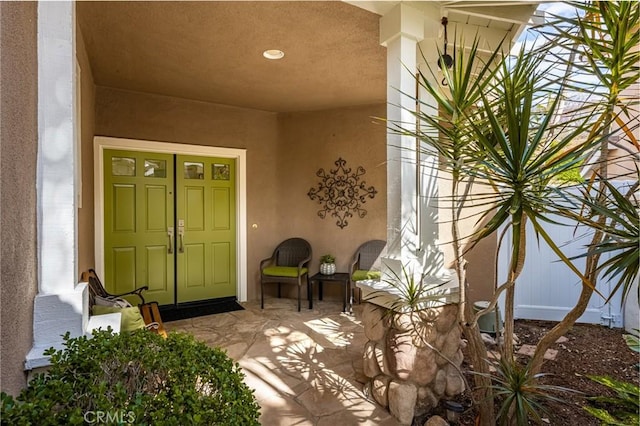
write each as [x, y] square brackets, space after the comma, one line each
[184, 311]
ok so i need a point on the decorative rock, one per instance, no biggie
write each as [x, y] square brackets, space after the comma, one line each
[382, 360]
[455, 386]
[425, 367]
[373, 321]
[494, 355]
[458, 357]
[407, 322]
[425, 401]
[451, 343]
[436, 421]
[380, 389]
[440, 361]
[455, 383]
[366, 390]
[440, 341]
[440, 383]
[487, 339]
[370, 366]
[402, 354]
[402, 359]
[500, 340]
[426, 333]
[529, 350]
[429, 315]
[402, 401]
[447, 318]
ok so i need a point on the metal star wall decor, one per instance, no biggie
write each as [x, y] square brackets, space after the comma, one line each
[341, 193]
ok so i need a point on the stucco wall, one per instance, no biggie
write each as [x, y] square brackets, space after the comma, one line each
[481, 260]
[86, 250]
[283, 154]
[313, 140]
[18, 137]
[622, 165]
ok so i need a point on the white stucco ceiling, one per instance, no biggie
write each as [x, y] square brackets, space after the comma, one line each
[212, 51]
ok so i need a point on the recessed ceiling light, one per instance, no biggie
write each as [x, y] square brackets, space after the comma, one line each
[273, 54]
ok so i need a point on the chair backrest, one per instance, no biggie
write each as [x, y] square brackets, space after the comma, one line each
[368, 252]
[292, 251]
[95, 286]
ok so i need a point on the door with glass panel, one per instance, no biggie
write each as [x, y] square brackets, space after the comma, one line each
[205, 214]
[139, 223]
[170, 224]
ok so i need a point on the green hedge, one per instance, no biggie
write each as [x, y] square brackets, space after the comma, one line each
[135, 378]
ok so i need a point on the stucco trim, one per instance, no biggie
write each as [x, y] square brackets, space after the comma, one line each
[100, 143]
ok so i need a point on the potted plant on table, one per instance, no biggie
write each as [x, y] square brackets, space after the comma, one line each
[328, 264]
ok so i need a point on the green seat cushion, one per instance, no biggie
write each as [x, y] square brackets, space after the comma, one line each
[283, 271]
[361, 275]
[130, 320]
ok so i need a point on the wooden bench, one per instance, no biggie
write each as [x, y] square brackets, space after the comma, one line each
[152, 319]
[149, 311]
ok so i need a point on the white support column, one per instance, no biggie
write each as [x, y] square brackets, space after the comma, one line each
[431, 254]
[400, 31]
[412, 176]
[60, 304]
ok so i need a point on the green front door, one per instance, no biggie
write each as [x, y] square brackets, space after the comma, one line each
[205, 201]
[138, 223]
[169, 227]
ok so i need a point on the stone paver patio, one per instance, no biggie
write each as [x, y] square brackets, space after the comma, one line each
[305, 367]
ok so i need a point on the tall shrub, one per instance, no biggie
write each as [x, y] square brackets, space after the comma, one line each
[135, 378]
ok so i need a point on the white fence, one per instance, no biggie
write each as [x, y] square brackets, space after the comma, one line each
[547, 289]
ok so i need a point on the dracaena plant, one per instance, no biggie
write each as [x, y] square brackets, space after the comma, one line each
[621, 233]
[499, 127]
[493, 131]
[414, 292]
[522, 156]
[599, 41]
[522, 396]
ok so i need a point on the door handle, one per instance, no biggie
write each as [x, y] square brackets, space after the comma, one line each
[170, 234]
[181, 238]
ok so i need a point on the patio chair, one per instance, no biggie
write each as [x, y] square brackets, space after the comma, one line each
[288, 264]
[363, 261]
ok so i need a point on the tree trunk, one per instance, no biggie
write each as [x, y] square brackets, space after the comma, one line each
[482, 380]
[508, 323]
[475, 345]
[591, 273]
[535, 365]
[514, 273]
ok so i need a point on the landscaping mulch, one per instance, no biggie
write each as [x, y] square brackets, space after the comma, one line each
[588, 350]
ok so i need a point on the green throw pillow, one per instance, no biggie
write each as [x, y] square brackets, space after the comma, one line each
[130, 320]
[361, 275]
[283, 271]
